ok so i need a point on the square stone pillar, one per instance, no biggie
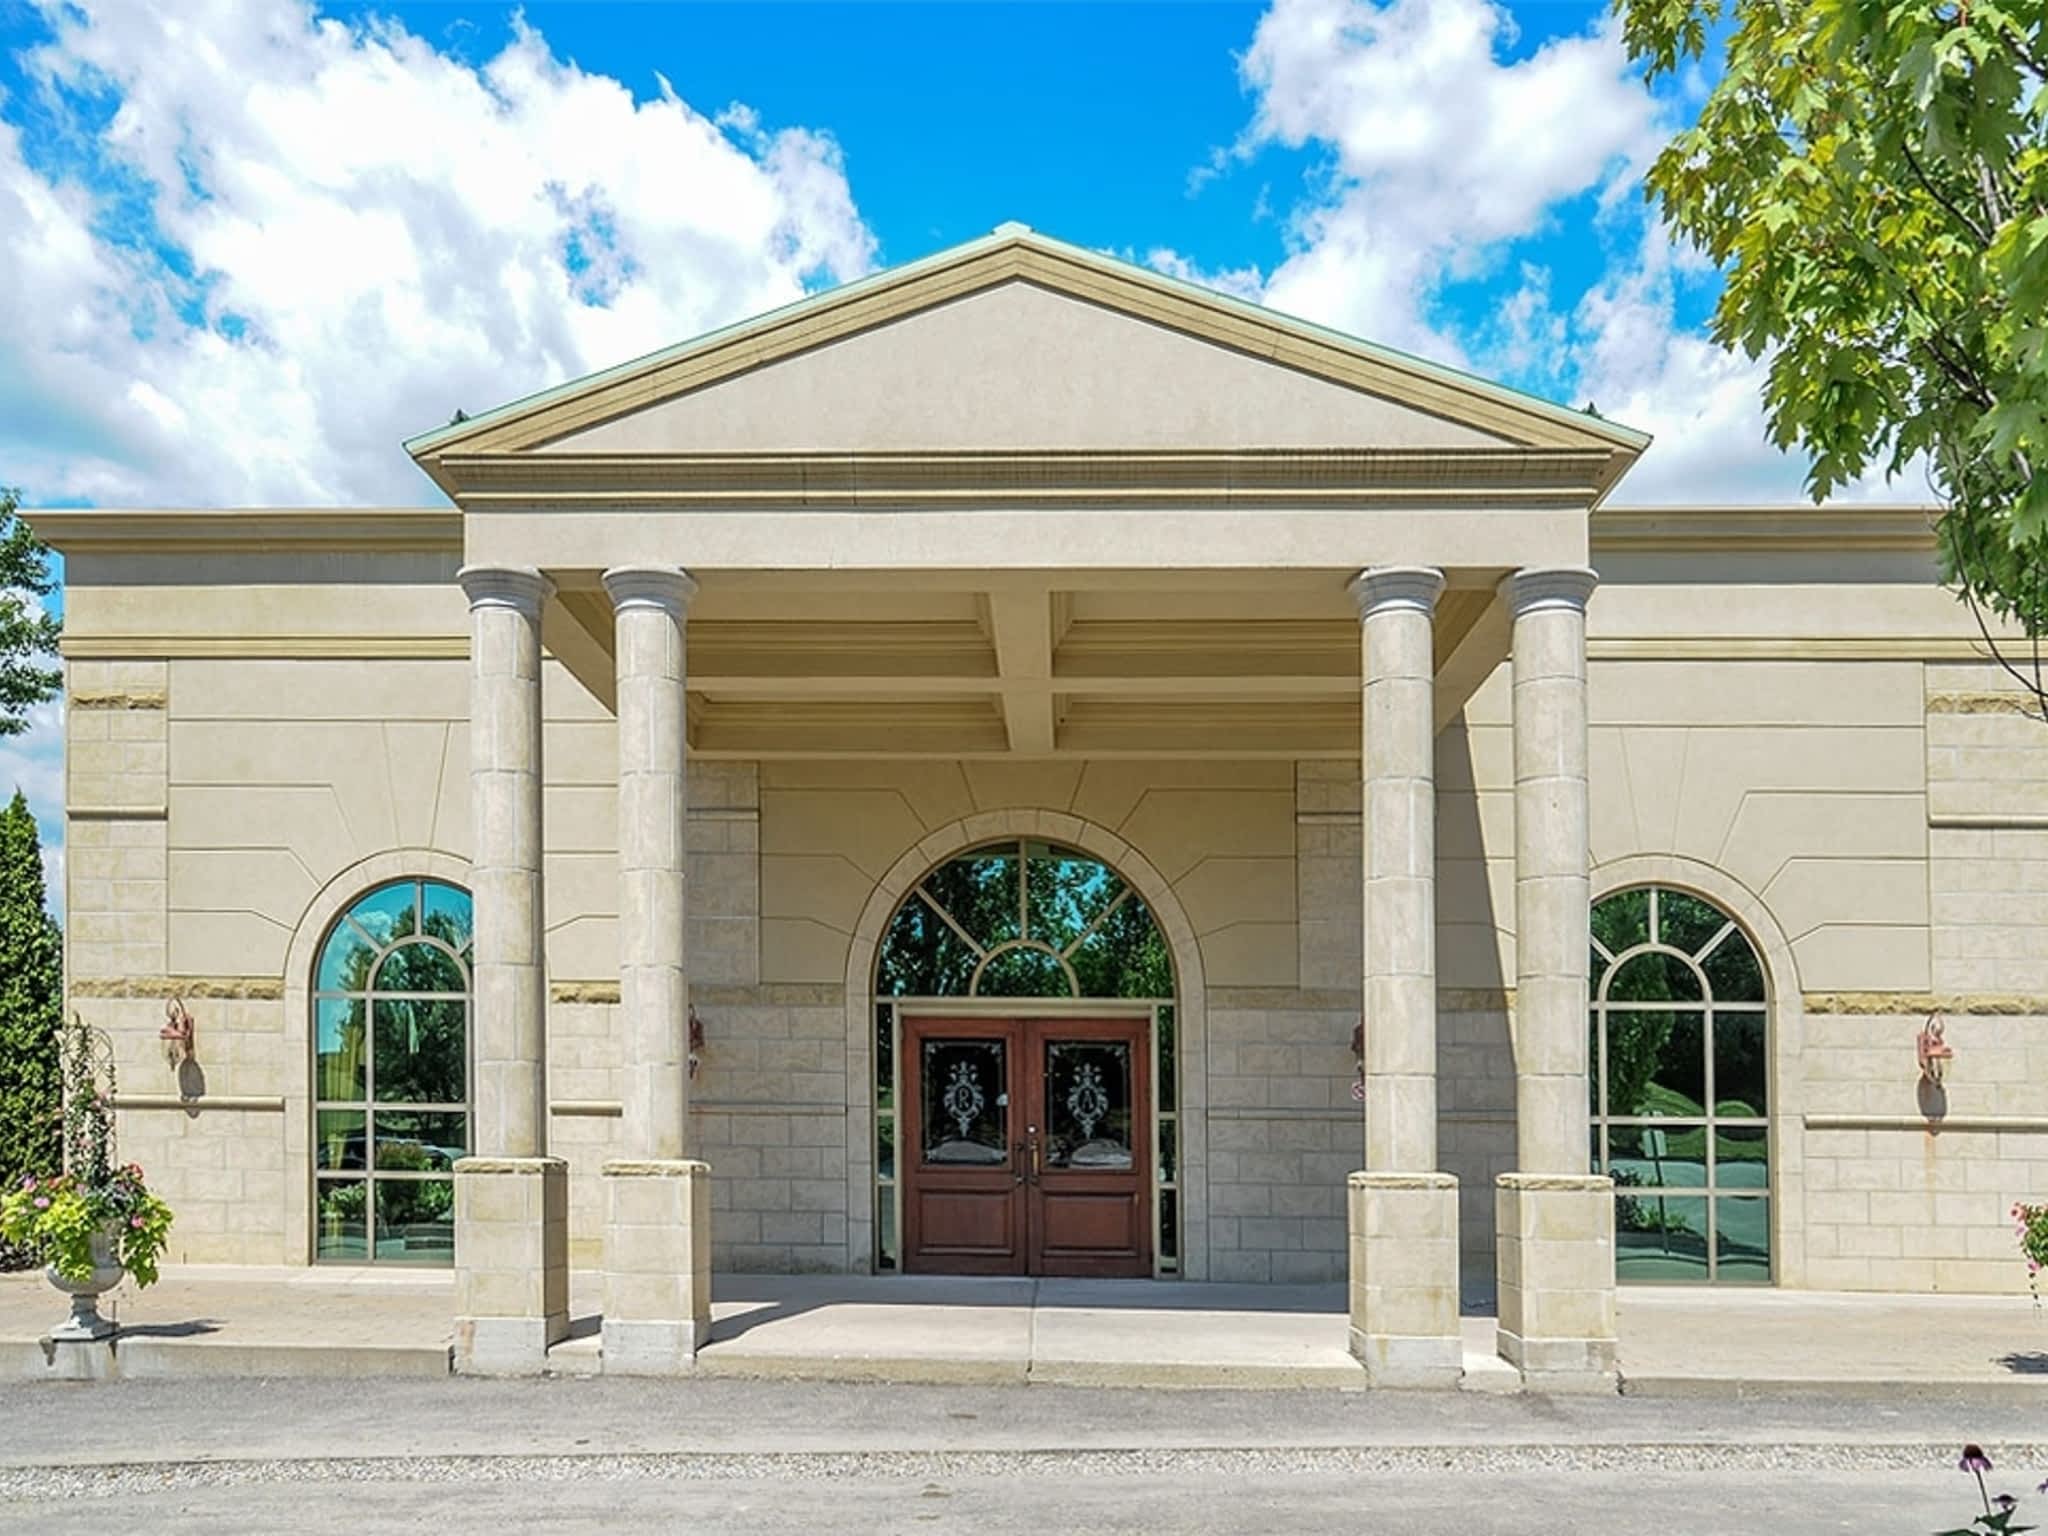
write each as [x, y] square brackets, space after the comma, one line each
[657, 1265]
[1554, 1220]
[1404, 1279]
[511, 1263]
[511, 1199]
[1403, 1213]
[657, 1288]
[1556, 1236]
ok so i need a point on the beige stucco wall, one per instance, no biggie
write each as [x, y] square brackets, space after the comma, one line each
[1871, 803]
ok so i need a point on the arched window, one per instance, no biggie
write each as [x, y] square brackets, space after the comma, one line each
[1027, 919]
[1680, 1086]
[1024, 919]
[391, 994]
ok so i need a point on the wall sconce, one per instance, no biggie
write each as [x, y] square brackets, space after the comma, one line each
[696, 1040]
[177, 1034]
[1935, 1053]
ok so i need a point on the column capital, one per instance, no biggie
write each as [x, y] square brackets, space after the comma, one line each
[1538, 588]
[667, 587]
[505, 586]
[1396, 586]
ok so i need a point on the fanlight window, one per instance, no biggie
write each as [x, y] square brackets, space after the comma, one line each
[1680, 1088]
[1024, 919]
[391, 997]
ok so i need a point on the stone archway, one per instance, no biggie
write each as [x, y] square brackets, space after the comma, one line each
[1191, 1000]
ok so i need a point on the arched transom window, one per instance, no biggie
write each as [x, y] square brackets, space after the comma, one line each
[1680, 1086]
[391, 993]
[1027, 919]
[1024, 919]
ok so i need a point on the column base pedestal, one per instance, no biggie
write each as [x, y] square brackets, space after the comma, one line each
[1555, 1246]
[657, 1265]
[1404, 1279]
[511, 1263]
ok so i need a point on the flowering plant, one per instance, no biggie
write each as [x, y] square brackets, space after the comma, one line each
[57, 1217]
[2030, 1224]
[2001, 1510]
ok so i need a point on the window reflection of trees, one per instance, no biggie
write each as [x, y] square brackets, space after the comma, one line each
[1679, 1087]
[391, 1074]
[1024, 919]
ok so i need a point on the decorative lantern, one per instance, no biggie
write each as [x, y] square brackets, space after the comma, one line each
[177, 1033]
[1934, 1052]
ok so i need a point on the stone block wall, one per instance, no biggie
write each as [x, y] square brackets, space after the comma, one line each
[1911, 1190]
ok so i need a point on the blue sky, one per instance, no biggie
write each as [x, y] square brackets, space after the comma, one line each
[328, 227]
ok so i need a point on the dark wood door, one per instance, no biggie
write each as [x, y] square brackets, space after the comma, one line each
[962, 1148]
[1088, 1136]
[1027, 1147]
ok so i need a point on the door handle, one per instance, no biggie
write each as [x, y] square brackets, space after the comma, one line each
[1034, 1154]
[1017, 1156]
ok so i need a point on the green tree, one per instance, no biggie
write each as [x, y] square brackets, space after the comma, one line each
[31, 1006]
[1872, 177]
[28, 635]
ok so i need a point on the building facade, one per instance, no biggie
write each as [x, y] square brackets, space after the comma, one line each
[1019, 765]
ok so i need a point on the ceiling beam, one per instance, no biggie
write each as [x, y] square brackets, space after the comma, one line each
[577, 631]
[1022, 628]
[1468, 649]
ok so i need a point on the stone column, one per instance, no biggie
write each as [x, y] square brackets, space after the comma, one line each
[657, 1290]
[1554, 1221]
[1403, 1212]
[511, 1198]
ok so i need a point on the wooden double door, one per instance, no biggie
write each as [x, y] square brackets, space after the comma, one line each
[1026, 1147]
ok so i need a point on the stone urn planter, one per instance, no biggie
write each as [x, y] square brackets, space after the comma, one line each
[85, 1321]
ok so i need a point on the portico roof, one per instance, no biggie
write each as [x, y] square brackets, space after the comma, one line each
[1018, 366]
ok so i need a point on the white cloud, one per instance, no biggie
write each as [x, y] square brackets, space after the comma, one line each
[377, 234]
[1440, 155]
[1439, 151]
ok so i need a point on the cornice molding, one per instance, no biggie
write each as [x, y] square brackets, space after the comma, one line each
[1052, 478]
[366, 530]
[1738, 530]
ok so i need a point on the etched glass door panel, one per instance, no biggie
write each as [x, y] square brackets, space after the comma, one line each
[1086, 1120]
[966, 1108]
[1089, 1104]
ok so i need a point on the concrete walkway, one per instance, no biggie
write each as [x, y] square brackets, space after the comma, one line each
[328, 1322]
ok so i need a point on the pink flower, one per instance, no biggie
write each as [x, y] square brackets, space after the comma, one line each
[42, 1202]
[135, 1221]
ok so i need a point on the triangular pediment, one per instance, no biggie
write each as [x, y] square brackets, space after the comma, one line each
[1020, 344]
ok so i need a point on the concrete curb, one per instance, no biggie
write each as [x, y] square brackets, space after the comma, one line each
[2007, 1388]
[909, 1369]
[142, 1357]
